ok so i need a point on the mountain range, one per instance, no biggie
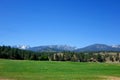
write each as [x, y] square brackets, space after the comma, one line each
[99, 47]
[52, 48]
[59, 48]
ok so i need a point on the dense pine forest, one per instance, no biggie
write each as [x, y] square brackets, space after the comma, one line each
[7, 52]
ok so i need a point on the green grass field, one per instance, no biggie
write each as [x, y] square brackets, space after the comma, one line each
[45, 70]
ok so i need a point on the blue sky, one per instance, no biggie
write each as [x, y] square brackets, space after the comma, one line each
[72, 22]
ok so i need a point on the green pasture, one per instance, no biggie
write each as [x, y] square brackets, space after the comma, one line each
[47, 70]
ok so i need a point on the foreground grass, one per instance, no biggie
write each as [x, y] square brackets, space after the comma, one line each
[45, 70]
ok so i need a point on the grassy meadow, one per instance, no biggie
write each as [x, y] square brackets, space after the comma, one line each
[46, 70]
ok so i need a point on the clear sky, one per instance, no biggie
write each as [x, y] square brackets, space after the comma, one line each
[72, 22]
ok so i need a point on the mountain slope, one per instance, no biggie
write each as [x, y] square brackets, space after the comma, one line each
[60, 48]
[52, 48]
[98, 47]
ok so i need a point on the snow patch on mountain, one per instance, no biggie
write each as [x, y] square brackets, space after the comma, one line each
[21, 46]
[116, 46]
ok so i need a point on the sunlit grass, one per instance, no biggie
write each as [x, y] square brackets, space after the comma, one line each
[45, 70]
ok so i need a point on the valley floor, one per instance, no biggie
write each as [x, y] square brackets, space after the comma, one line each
[46, 70]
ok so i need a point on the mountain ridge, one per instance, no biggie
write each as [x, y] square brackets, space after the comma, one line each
[60, 48]
[52, 48]
[98, 47]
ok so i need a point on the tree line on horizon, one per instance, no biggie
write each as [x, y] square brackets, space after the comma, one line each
[7, 52]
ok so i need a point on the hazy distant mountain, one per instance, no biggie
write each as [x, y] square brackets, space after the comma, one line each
[116, 46]
[59, 48]
[21, 46]
[99, 47]
[52, 48]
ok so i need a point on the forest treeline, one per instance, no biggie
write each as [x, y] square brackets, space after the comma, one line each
[7, 52]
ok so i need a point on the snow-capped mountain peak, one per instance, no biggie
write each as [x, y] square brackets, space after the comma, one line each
[22, 46]
[116, 46]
